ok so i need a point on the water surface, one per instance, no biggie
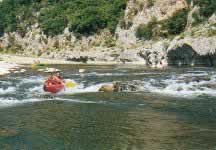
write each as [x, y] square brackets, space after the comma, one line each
[173, 109]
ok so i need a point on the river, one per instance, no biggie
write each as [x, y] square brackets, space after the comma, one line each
[174, 108]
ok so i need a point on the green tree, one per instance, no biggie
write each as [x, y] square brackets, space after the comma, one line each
[144, 32]
[177, 23]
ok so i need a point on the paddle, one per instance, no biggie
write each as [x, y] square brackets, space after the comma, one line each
[70, 84]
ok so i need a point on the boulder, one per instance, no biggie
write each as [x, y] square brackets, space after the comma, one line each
[211, 85]
[107, 88]
[127, 86]
[124, 86]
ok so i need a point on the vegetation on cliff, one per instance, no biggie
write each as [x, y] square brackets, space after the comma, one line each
[207, 7]
[176, 24]
[171, 26]
[83, 17]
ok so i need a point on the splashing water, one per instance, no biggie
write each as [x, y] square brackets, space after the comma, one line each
[185, 83]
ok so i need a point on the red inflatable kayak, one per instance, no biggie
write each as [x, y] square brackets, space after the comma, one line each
[53, 85]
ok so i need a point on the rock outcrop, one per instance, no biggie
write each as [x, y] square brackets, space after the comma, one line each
[192, 51]
[141, 12]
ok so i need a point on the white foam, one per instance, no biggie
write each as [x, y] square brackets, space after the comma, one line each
[5, 67]
[80, 88]
[117, 74]
[177, 86]
[6, 102]
[32, 80]
[7, 90]
[11, 101]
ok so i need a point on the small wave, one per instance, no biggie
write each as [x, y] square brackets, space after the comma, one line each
[7, 90]
[115, 74]
[6, 102]
[32, 80]
[80, 88]
[183, 86]
[12, 101]
[82, 101]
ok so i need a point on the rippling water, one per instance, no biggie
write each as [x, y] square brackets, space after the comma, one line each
[172, 109]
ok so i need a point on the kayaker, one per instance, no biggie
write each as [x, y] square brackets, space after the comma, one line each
[56, 77]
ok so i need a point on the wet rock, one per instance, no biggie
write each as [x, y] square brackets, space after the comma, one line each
[127, 86]
[82, 59]
[199, 79]
[124, 86]
[22, 70]
[107, 88]
[179, 89]
[211, 85]
[81, 70]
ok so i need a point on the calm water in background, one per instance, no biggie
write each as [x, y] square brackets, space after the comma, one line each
[171, 110]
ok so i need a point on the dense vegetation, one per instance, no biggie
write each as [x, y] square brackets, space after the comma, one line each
[147, 31]
[177, 23]
[82, 16]
[207, 7]
[89, 16]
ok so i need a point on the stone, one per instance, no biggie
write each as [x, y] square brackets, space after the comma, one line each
[211, 85]
[212, 19]
[107, 88]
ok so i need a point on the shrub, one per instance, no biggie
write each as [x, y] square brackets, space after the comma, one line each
[147, 31]
[150, 3]
[197, 18]
[144, 32]
[110, 42]
[207, 7]
[177, 23]
[51, 21]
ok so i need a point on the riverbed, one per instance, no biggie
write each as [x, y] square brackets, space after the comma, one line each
[174, 108]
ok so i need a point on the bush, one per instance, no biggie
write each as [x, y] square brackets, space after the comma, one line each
[147, 31]
[52, 22]
[144, 32]
[197, 18]
[177, 23]
[110, 42]
[150, 3]
[207, 7]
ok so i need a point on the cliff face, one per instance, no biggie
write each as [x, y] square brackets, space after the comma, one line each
[141, 12]
[123, 46]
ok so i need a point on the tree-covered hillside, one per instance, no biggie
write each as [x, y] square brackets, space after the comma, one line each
[81, 16]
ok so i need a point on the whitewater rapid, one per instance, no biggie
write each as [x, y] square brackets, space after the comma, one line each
[5, 68]
[189, 84]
